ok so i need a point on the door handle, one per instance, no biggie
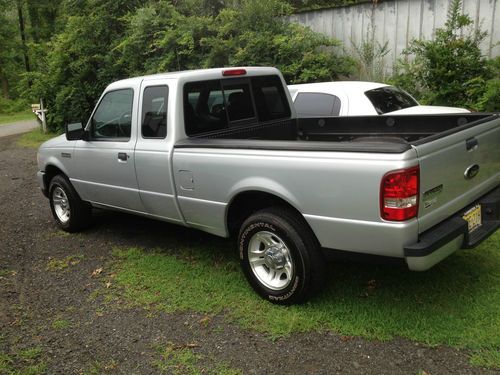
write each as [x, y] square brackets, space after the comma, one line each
[471, 144]
[122, 156]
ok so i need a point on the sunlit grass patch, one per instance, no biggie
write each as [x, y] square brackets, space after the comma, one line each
[34, 138]
[15, 117]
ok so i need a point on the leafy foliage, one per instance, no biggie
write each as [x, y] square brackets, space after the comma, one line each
[76, 47]
[81, 61]
[107, 40]
[449, 70]
[10, 56]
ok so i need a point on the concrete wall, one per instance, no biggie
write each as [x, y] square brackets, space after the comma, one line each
[400, 21]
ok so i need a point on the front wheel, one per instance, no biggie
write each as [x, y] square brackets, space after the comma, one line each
[280, 256]
[71, 213]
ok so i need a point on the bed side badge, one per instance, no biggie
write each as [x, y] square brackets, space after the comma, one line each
[431, 196]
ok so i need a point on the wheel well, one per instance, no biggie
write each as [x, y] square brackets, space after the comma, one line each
[244, 204]
[50, 172]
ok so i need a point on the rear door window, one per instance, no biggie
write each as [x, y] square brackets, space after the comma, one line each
[154, 112]
[316, 104]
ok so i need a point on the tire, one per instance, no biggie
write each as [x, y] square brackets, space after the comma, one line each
[70, 212]
[280, 256]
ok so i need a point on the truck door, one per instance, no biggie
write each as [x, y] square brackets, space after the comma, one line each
[105, 171]
[153, 153]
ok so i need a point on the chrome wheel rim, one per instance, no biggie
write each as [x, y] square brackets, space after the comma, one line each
[270, 260]
[61, 205]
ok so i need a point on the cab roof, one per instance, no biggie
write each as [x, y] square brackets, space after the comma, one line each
[198, 74]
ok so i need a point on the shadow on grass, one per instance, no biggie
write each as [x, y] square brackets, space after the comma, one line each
[455, 303]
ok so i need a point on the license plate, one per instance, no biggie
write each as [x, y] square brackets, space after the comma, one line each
[473, 218]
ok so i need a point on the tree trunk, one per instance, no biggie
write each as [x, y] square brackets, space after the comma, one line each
[23, 38]
[34, 18]
[5, 86]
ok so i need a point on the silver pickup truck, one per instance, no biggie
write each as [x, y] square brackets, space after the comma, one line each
[221, 150]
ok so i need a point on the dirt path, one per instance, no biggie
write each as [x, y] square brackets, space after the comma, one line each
[18, 127]
[60, 316]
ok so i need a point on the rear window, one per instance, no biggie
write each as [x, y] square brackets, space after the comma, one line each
[219, 104]
[270, 98]
[390, 99]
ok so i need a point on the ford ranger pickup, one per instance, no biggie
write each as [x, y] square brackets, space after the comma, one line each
[222, 151]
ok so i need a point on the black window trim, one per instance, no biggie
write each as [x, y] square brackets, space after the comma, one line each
[166, 111]
[114, 139]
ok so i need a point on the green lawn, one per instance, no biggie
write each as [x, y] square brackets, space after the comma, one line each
[34, 138]
[457, 303]
[21, 116]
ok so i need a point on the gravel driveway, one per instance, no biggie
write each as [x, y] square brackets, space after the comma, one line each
[18, 127]
[72, 332]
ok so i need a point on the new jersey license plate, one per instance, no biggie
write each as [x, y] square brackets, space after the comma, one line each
[473, 218]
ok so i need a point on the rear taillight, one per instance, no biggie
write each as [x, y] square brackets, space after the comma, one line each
[399, 192]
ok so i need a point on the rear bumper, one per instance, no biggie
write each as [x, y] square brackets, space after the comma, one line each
[452, 234]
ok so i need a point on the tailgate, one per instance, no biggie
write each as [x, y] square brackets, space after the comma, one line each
[456, 168]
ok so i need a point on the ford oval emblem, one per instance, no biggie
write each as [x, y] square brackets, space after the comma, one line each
[471, 171]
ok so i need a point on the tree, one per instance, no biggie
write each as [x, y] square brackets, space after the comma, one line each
[104, 40]
[10, 54]
[81, 60]
[444, 68]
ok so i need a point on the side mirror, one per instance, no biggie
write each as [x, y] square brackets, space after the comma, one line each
[75, 131]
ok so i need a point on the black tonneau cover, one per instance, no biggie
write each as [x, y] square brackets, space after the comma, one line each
[373, 134]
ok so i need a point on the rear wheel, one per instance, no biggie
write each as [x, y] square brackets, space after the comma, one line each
[280, 256]
[71, 213]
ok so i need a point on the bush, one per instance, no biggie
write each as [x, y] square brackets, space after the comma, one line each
[9, 106]
[449, 70]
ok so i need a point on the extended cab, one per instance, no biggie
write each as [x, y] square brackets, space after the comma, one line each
[221, 150]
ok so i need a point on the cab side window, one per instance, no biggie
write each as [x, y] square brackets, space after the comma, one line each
[154, 112]
[113, 117]
[315, 104]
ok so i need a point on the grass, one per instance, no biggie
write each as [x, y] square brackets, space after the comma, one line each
[183, 360]
[97, 368]
[19, 116]
[34, 138]
[486, 358]
[56, 264]
[457, 303]
[61, 324]
[24, 362]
